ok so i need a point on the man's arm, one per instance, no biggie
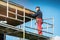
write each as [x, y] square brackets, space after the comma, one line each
[35, 14]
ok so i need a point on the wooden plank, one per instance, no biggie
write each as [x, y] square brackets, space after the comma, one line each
[12, 6]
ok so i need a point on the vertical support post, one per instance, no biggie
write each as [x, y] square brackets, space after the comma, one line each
[24, 25]
[7, 7]
[47, 27]
[53, 26]
[16, 13]
[20, 38]
[31, 22]
[4, 36]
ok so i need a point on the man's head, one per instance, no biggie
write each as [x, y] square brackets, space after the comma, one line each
[37, 8]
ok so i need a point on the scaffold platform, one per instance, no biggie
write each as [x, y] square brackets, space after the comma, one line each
[15, 14]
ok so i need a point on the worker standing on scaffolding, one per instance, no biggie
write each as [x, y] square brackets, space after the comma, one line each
[38, 16]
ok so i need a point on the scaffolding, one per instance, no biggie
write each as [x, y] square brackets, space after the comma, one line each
[31, 19]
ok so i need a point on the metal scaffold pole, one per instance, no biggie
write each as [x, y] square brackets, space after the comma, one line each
[7, 7]
[4, 36]
[24, 23]
[16, 13]
[31, 22]
[53, 26]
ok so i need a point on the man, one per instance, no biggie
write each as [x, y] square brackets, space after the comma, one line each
[38, 16]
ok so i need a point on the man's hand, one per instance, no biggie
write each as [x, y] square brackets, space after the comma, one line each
[32, 12]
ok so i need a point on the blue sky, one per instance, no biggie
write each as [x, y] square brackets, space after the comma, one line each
[49, 8]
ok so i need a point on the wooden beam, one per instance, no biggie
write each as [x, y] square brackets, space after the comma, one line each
[11, 18]
[14, 7]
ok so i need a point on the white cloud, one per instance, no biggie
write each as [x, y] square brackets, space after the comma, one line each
[55, 38]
